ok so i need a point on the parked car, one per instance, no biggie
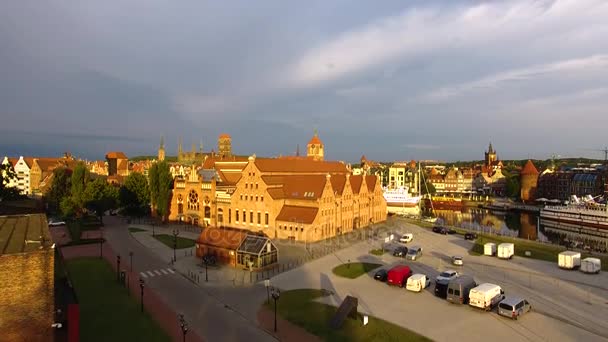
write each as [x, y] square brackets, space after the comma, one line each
[457, 260]
[406, 237]
[447, 275]
[452, 231]
[513, 307]
[56, 223]
[440, 230]
[400, 251]
[470, 236]
[486, 296]
[417, 282]
[381, 275]
[459, 289]
[398, 275]
[414, 253]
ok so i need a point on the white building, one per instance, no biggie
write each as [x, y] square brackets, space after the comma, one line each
[22, 168]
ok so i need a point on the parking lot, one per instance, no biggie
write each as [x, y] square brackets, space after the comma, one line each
[567, 305]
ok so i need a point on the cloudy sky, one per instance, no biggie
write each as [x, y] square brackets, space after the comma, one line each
[388, 79]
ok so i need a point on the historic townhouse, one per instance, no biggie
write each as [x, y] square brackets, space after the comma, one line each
[300, 198]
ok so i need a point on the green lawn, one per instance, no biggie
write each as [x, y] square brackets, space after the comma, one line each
[181, 242]
[378, 251]
[354, 269]
[107, 312]
[298, 307]
[135, 230]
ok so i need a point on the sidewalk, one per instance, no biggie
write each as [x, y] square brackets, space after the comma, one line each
[153, 304]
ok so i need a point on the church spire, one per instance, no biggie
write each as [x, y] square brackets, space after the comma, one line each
[162, 141]
[490, 149]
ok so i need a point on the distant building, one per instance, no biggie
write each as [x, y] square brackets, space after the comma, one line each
[224, 145]
[529, 181]
[118, 164]
[161, 149]
[315, 148]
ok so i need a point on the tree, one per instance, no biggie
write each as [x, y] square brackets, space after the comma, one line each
[135, 195]
[7, 174]
[60, 188]
[512, 186]
[99, 196]
[427, 188]
[161, 182]
[79, 180]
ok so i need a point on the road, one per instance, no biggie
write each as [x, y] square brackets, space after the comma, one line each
[212, 317]
[562, 310]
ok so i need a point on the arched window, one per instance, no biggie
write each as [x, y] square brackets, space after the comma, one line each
[207, 212]
[193, 200]
[220, 215]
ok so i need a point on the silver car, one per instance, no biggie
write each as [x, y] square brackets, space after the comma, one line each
[513, 307]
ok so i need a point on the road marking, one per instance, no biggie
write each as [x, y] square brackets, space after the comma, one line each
[164, 272]
[143, 274]
[170, 270]
[156, 271]
[151, 274]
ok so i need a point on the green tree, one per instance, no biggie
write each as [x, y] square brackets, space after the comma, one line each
[60, 189]
[79, 180]
[68, 207]
[7, 174]
[428, 188]
[512, 186]
[161, 182]
[153, 185]
[99, 196]
[135, 195]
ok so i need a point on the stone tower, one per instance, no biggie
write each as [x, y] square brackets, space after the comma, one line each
[224, 145]
[315, 148]
[529, 181]
[161, 149]
[490, 156]
[179, 149]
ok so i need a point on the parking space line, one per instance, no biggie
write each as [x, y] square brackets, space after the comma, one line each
[143, 274]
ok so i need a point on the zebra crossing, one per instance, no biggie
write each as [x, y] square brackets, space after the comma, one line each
[156, 273]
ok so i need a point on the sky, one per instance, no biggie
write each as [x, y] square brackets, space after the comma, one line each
[393, 80]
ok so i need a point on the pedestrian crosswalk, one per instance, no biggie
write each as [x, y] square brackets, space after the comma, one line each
[155, 273]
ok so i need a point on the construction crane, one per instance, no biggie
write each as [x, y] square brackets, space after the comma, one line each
[605, 150]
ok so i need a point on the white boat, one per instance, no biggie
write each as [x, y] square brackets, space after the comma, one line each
[585, 213]
[400, 197]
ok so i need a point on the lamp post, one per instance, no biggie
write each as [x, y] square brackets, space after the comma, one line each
[276, 293]
[131, 257]
[175, 234]
[141, 287]
[206, 263]
[183, 325]
[101, 244]
[118, 268]
[153, 233]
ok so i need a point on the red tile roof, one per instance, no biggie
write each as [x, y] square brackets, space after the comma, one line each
[529, 169]
[222, 238]
[315, 140]
[299, 165]
[371, 183]
[116, 155]
[355, 183]
[338, 183]
[225, 136]
[292, 213]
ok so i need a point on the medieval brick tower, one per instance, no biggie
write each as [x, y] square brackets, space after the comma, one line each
[490, 156]
[161, 149]
[529, 181]
[315, 148]
[224, 145]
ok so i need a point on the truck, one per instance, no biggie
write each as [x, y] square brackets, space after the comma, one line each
[486, 296]
[398, 275]
[489, 249]
[417, 282]
[506, 250]
[569, 260]
[591, 265]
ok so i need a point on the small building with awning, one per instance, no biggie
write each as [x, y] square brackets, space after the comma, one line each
[237, 247]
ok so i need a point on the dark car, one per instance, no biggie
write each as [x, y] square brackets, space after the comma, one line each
[400, 251]
[470, 236]
[381, 275]
[440, 230]
[452, 231]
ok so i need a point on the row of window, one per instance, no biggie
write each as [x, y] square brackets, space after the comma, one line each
[291, 228]
[237, 217]
[248, 185]
[251, 174]
[250, 198]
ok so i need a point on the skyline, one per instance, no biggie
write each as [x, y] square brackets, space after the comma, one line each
[430, 80]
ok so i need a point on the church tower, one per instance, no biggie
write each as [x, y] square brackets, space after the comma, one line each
[315, 148]
[161, 149]
[224, 145]
[179, 150]
[490, 156]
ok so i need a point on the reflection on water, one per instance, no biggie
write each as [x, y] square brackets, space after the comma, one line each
[26, 296]
[526, 226]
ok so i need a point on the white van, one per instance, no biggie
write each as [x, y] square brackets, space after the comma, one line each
[569, 260]
[417, 282]
[489, 249]
[591, 265]
[506, 250]
[486, 296]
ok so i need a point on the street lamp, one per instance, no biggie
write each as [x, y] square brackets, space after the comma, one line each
[183, 325]
[141, 287]
[175, 234]
[118, 268]
[206, 263]
[276, 293]
[101, 243]
[131, 256]
[153, 233]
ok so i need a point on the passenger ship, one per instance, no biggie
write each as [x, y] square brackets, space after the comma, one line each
[586, 213]
[400, 197]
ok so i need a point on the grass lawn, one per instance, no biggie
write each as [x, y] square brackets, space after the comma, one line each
[378, 251]
[354, 269]
[107, 312]
[181, 242]
[135, 230]
[298, 307]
